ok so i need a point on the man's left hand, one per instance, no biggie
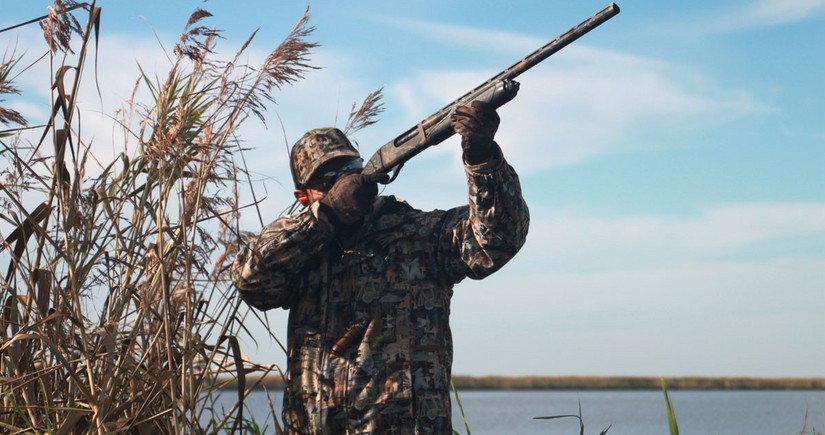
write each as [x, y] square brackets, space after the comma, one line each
[351, 197]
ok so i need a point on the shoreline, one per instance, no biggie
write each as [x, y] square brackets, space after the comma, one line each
[628, 383]
[567, 383]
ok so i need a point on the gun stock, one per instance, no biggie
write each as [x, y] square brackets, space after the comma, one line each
[496, 91]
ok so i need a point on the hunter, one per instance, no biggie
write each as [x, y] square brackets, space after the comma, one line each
[368, 281]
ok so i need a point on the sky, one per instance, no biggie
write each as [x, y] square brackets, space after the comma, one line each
[672, 159]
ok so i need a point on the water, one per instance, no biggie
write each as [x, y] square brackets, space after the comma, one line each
[643, 412]
[625, 412]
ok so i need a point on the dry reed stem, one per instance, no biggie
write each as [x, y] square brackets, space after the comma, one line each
[115, 287]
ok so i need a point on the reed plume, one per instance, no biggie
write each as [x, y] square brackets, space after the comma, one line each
[117, 314]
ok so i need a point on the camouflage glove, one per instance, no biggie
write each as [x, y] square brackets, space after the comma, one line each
[477, 124]
[352, 195]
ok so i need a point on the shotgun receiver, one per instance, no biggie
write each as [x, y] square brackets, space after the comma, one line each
[496, 91]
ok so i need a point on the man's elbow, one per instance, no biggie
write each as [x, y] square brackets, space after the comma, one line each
[490, 261]
[263, 299]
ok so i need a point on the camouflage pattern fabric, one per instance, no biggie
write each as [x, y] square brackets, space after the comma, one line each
[369, 342]
[315, 148]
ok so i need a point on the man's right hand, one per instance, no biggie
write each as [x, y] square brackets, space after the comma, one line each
[352, 196]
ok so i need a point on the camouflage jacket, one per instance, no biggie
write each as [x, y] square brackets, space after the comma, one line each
[369, 342]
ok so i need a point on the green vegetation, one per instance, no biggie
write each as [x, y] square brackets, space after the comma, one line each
[577, 417]
[671, 413]
[460, 408]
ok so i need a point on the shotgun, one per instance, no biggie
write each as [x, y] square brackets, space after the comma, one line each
[496, 91]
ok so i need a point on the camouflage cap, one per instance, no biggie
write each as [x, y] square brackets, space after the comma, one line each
[317, 147]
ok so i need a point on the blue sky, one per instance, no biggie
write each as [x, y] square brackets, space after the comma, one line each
[672, 160]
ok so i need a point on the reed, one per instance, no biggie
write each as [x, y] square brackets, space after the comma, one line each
[117, 315]
[672, 424]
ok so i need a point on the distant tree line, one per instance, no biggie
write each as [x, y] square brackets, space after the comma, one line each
[273, 382]
[634, 383]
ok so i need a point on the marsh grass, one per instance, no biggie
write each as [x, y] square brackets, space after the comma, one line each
[461, 409]
[576, 416]
[670, 411]
[116, 314]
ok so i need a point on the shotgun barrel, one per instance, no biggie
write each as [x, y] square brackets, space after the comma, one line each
[496, 91]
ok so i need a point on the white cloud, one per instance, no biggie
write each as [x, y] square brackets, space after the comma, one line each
[464, 36]
[643, 289]
[768, 13]
[573, 240]
[772, 12]
[115, 73]
[590, 102]
[582, 104]
[680, 319]
[323, 98]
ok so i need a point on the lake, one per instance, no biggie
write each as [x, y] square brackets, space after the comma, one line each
[625, 412]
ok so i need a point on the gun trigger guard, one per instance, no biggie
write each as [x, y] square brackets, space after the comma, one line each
[395, 171]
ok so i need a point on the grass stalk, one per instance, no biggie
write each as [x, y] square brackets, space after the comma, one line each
[119, 317]
[460, 409]
[672, 424]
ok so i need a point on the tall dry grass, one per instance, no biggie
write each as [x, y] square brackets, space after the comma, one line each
[116, 314]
